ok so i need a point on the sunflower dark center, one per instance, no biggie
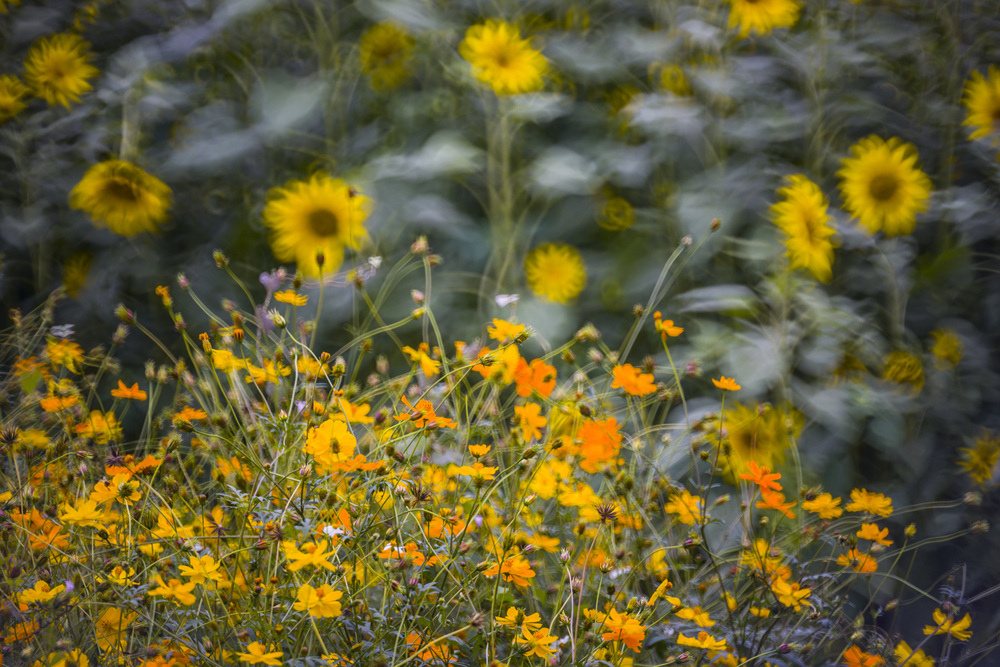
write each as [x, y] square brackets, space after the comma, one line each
[323, 222]
[883, 187]
[121, 190]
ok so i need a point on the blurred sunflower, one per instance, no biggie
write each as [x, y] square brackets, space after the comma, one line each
[122, 197]
[758, 433]
[502, 60]
[982, 100]
[323, 215]
[980, 460]
[555, 271]
[763, 16]
[385, 50]
[12, 91]
[616, 214]
[882, 185]
[901, 367]
[57, 68]
[802, 216]
[5, 3]
[75, 272]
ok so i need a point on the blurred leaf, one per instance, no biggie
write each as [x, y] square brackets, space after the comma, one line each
[539, 107]
[560, 171]
[444, 154]
[279, 103]
[718, 298]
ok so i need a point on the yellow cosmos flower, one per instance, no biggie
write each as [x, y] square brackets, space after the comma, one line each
[122, 197]
[502, 60]
[906, 656]
[802, 216]
[982, 102]
[385, 51]
[555, 271]
[704, 640]
[883, 187]
[320, 602]
[57, 69]
[946, 624]
[258, 654]
[12, 91]
[762, 16]
[316, 218]
[110, 628]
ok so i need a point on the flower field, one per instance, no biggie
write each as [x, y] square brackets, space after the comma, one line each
[413, 332]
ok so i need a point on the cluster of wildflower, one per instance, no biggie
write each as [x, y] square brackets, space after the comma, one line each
[483, 505]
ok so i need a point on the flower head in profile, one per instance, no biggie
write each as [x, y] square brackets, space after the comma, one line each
[501, 59]
[981, 98]
[57, 68]
[122, 197]
[555, 271]
[12, 92]
[762, 16]
[863, 500]
[726, 384]
[883, 187]
[802, 216]
[316, 218]
[703, 640]
[385, 50]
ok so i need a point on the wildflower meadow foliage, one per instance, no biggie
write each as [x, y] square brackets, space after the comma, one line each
[499, 334]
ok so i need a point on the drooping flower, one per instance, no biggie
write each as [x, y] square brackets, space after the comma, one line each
[12, 92]
[121, 197]
[385, 50]
[945, 624]
[763, 16]
[57, 68]
[317, 218]
[981, 98]
[802, 216]
[501, 59]
[555, 271]
[883, 187]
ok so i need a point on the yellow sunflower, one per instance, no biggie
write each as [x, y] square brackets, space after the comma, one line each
[502, 60]
[882, 185]
[982, 100]
[763, 16]
[802, 216]
[122, 197]
[385, 50]
[12, 91]
[555, 271]
[57, 68]
[323, 215]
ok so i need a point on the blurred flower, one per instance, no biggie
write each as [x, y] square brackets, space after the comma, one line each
[763, 16]
[726, 384]
[502, 60]
[122, 197]
[671, 78]
[825, 505]
[982, 101]
[385, 49]
[802, 216]
[632, 381]
[100, 427]
[902, 367]
[616, 214]
[863, 500]
[978, 461]
[57, 68]
[321, 216]
[704, 640]
[685, 506]
[947, 347]
[12, 91]
[8, 3]
[555, 271]
[110, 628]
[882, 185]
[907, 657]
[291, 297]
[860, 562]
[74, 658]
[760, 433]
[855, 657]
[75, 272]
[133, 392]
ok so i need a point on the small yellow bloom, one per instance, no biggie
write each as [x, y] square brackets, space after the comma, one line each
[258, 654]
[945, 624]
[291, 297]
[726, 384]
